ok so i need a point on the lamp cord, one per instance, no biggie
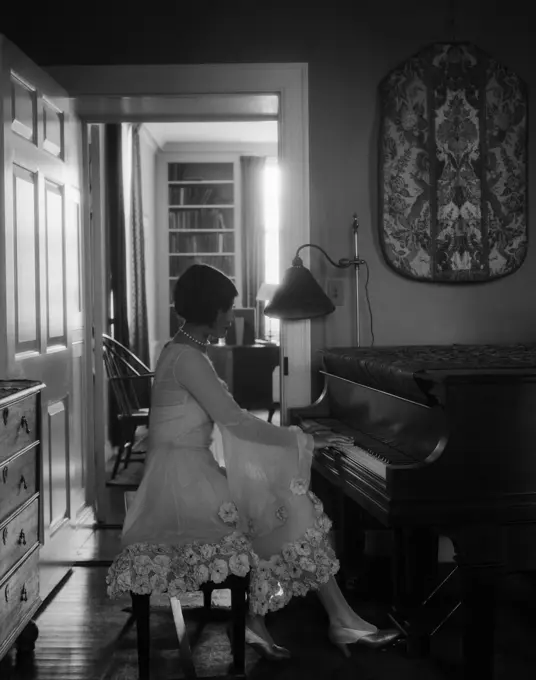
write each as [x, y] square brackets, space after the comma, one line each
[367, 297]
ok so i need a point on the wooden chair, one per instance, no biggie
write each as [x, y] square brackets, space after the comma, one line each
[238, 586]
[130, 380]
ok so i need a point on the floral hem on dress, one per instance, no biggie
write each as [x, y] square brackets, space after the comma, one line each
[145, 568]
[301, 566]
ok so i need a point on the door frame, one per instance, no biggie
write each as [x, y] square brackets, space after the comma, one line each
[127, 93]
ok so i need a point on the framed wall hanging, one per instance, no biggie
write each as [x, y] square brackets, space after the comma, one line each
[453, 166]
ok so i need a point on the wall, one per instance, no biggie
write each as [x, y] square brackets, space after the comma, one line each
[404, 312]
[348, 51]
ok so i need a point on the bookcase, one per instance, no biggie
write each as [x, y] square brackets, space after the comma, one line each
[202, 207]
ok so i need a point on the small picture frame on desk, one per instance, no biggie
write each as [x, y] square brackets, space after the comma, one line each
[242, 332]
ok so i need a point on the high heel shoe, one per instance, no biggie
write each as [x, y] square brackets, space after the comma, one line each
[341, 637]
[268, 650]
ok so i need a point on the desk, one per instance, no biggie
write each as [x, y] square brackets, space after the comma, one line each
[247, 370]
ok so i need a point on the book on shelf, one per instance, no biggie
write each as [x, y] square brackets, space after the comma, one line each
[194, 219]
[206, 196]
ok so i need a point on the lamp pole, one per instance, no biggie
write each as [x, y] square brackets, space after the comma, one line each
[357, 262]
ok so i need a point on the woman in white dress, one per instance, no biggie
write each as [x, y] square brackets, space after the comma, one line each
[193, 520]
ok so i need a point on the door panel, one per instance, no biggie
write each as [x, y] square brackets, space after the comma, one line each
[55, 270]
[27, 337]
[24, 108]
[58, 445]
[42, 292]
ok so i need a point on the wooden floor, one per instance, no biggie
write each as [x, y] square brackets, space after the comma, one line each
[74, 631]
[80, 637]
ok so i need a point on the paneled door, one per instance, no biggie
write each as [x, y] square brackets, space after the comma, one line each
[42, 305]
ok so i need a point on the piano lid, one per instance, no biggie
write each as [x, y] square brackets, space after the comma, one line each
[413, 371]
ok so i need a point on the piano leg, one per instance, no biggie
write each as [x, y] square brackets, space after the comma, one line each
[480, 554]
[414, 576]
[414, 566]
[351, 545]
[478, 607]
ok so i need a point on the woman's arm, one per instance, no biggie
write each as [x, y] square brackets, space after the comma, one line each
[196, 374]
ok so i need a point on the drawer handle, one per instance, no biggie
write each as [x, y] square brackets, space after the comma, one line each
[4, 536]
[5, 415]
[22, 538]
[4, 474]
[24, 424]
[23, 483]
[23, 594]
[6, 593]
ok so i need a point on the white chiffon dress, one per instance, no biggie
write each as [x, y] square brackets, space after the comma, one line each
[193, 520]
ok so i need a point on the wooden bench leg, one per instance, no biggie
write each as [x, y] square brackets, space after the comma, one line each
[239, 611]
[184, 645]
[130, 445]
[141, 609]
[207, 598]
[119, 459]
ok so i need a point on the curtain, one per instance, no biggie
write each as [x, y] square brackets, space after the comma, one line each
[252, 174]
[138, 325]
[116, 251]
[115, 218]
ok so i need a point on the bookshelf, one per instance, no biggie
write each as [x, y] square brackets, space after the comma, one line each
[202, 220]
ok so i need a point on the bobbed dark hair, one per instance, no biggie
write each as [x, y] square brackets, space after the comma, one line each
[201, 292]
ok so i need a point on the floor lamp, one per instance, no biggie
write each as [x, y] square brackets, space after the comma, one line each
[299, 297]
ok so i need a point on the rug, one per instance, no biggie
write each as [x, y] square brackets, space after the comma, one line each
[129, 478]
[301, 626]
[211, 647]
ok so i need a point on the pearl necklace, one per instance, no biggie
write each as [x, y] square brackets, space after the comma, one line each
[191, 337]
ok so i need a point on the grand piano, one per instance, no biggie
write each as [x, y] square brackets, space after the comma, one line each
[444, 445]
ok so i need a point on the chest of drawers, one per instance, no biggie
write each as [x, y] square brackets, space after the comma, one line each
[20, 511]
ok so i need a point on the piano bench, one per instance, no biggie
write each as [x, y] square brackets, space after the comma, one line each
[238, 585]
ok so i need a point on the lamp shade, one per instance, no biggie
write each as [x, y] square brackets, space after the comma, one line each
[299, 297]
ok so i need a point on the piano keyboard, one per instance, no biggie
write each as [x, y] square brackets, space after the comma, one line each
[367, 452]
[366, 458]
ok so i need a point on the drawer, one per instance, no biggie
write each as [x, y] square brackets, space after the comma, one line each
[17, 426]
[17, 481]
[18, 535]
[18, 595]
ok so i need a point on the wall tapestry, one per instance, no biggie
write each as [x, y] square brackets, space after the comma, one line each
[453, 166]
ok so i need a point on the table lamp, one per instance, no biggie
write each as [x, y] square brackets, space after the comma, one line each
[265, 294]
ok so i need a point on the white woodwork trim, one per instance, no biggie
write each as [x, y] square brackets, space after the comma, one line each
[153, 92]
[88, 265]
[161, 255]
[97, 289]
[148, 137]
[215, 148]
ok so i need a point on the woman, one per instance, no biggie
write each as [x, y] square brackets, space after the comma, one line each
[193, 521]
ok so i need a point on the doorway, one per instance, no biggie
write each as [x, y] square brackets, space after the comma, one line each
[160, 94]
[197, 192]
